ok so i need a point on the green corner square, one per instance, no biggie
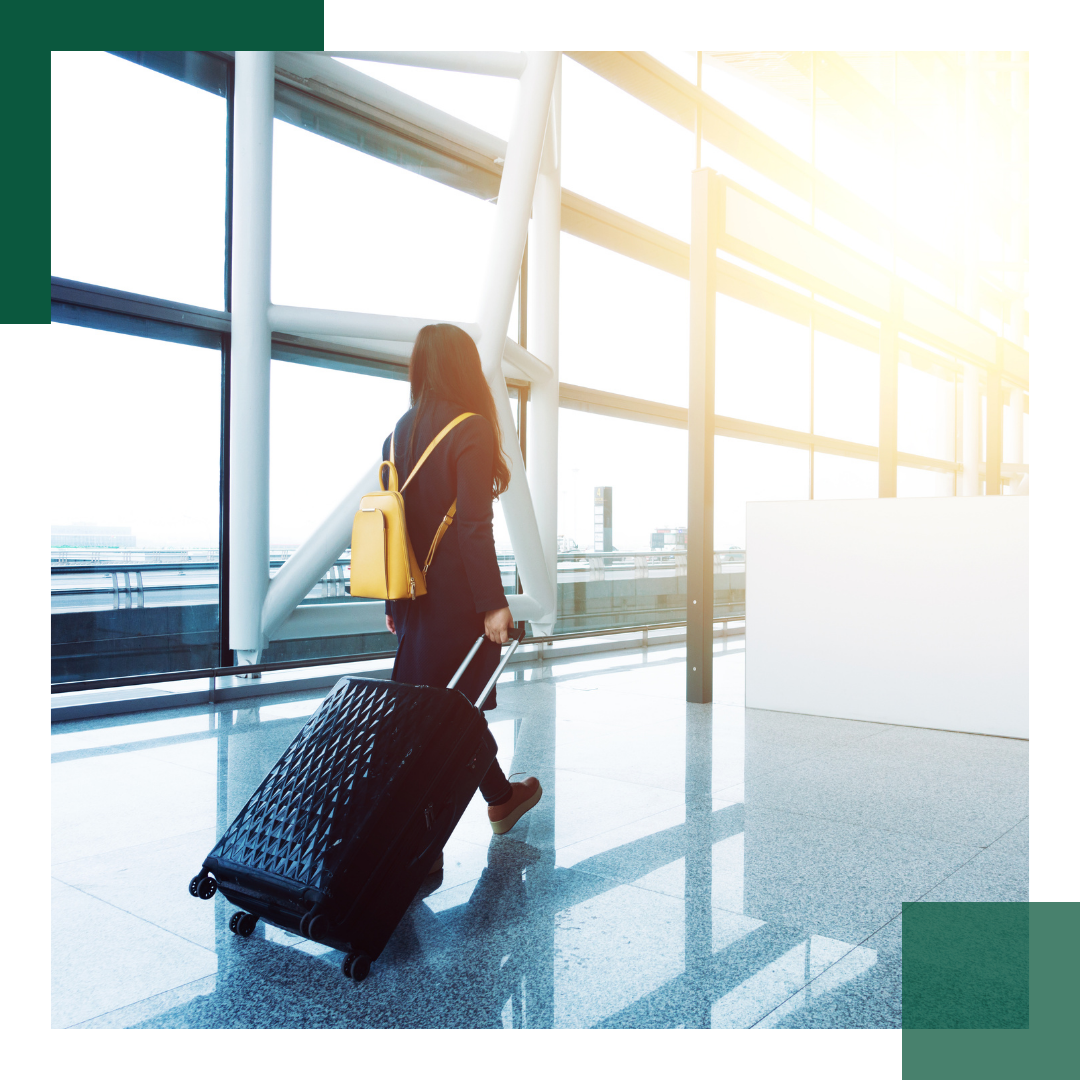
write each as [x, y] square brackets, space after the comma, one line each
[965, 965]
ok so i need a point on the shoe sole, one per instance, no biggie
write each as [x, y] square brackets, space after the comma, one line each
[511, 819]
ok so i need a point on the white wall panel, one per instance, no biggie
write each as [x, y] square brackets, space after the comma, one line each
[899, 611]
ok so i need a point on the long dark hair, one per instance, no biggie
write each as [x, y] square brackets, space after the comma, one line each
[445, 366]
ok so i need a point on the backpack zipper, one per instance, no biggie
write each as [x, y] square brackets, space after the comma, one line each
[405, 546]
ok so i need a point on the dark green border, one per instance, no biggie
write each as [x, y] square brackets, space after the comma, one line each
[1049, 1048]
[35, 31]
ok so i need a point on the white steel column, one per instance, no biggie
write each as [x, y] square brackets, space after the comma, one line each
[972, 431]
[497, 298]
[544, 338]
[970, 189]
[249, 520]
[1014, 433]
[969, 301]
[1014, 436]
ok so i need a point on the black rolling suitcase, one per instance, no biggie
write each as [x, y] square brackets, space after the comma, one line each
[338, 838]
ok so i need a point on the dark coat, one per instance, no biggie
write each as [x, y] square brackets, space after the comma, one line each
[436, 631]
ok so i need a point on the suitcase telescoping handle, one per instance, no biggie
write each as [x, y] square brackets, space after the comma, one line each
[516, 635]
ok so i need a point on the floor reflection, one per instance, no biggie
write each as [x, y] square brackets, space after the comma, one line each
[679, 872]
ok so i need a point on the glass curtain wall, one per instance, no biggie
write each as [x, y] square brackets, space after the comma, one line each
[139, 193]
[138, 204]
[637, 471]
[135, 448]
[621, 322]
[326, 430]
[138, 180]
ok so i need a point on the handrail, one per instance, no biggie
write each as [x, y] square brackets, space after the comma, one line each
[145, 567]
[571, 565]
[326, 661]
[127, 568]
[212, 672]
[503, 557]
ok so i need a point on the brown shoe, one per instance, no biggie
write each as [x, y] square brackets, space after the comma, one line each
[505, 816]
[437, 865]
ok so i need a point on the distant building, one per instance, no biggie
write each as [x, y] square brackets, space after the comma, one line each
[668, 540]
[602, 519]
[81, 535]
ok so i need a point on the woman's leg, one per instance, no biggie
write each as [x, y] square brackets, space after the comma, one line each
[495, 788]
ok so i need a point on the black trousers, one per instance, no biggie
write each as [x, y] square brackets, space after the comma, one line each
[433, 639]
[495, 788]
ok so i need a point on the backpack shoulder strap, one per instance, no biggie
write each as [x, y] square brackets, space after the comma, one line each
[431, 445]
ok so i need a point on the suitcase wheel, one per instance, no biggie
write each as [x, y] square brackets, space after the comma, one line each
[312, 925]
[243, 923]
[356, 966]
[203, 886]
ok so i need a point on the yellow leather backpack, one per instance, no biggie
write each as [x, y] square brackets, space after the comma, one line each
[383, 565]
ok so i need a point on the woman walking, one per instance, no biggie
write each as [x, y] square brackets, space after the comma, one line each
[464, 597]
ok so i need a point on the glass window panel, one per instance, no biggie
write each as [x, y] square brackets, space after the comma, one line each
[849, 153]
[485, 101]
[624, 327]
[623, 154]
[354, 233]
[777, 115]
[945, 291]
[138, 180]
[927, 200]
[326, 430]
[713, 157]
[762, 366]
[134, 435]
[922, 483]
[501, 532]
[855, 241]
[877, 68]
[631, 458]
[504, 550]
[513, 329]
[1013, 448]
[765, 230]
[682, 63]
[926, 414]
[838, 477]
[753, 472]
[845, 390]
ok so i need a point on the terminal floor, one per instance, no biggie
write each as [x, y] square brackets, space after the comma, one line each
[688, 866]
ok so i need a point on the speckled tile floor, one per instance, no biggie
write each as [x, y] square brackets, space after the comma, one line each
[689, 865]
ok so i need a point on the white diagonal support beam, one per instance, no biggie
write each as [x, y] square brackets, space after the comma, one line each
[305, 68]
[315, 556]
[307, 565]
[297, 320]
[392, 334]
[513, 210]
[506, 65]
[311, 561]
[544, 251]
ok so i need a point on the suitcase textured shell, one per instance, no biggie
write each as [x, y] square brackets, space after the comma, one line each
[337, 839]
